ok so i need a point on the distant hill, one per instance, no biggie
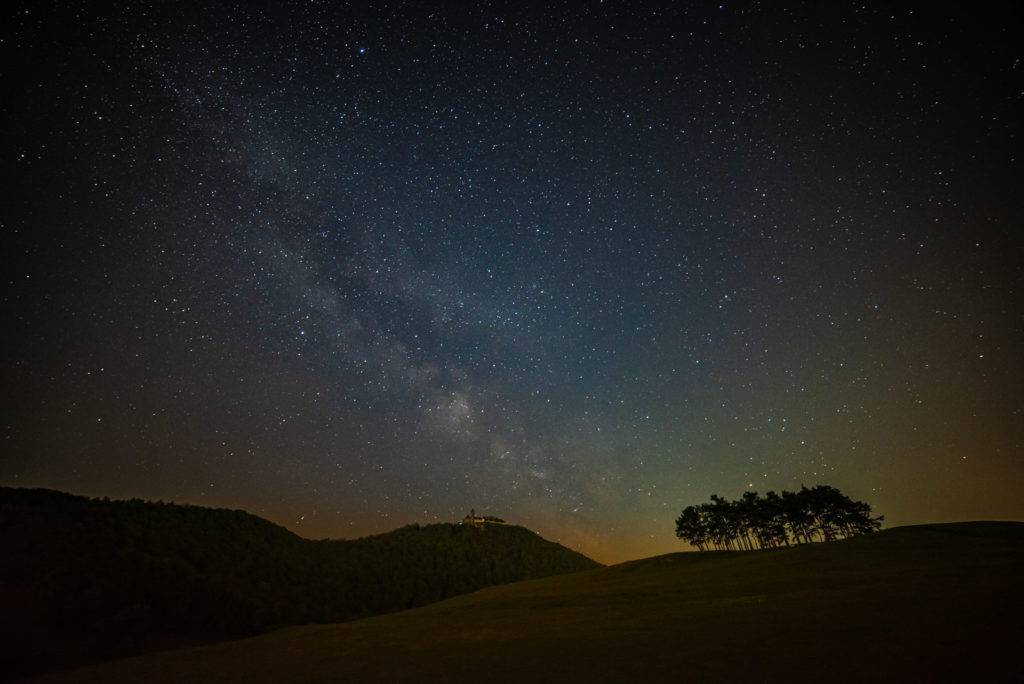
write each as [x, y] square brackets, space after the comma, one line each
[930, 603]
[87, 578]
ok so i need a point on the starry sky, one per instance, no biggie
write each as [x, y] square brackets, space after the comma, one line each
[577, 265]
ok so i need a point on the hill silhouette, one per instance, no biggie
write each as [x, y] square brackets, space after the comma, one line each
[932, 603]
[84, 578]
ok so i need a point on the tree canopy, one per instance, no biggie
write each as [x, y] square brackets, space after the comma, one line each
[753, 521]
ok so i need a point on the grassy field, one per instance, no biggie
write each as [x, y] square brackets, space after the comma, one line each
[923, 603]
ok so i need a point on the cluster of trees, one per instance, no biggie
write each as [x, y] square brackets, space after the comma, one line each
[822, 513]
[110, 574]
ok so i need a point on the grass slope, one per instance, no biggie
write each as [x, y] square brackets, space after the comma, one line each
[923, 603]
[84, 579]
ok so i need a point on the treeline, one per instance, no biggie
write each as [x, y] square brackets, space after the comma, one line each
[116, 573]
[763, 522]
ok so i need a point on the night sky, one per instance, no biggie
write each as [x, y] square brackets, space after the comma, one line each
[577, 267]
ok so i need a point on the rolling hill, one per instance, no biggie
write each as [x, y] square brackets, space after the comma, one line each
[85, 579]
[923, 603]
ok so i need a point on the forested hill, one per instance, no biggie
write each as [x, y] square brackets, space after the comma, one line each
[107, 575]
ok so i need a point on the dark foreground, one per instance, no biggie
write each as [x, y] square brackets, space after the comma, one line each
[920, 604]
[85, 580]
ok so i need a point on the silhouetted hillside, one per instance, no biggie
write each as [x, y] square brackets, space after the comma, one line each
[929, 603]
[97, 578]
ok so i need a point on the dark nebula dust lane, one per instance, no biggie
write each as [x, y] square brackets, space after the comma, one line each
[576, 265]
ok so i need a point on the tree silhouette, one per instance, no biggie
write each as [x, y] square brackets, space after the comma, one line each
[775, 520]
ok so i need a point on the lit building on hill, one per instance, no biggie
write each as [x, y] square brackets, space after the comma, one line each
[476, 521]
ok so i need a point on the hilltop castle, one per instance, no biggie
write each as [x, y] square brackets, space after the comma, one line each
[473, 519]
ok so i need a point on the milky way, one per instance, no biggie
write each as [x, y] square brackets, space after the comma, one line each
[577, 266]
